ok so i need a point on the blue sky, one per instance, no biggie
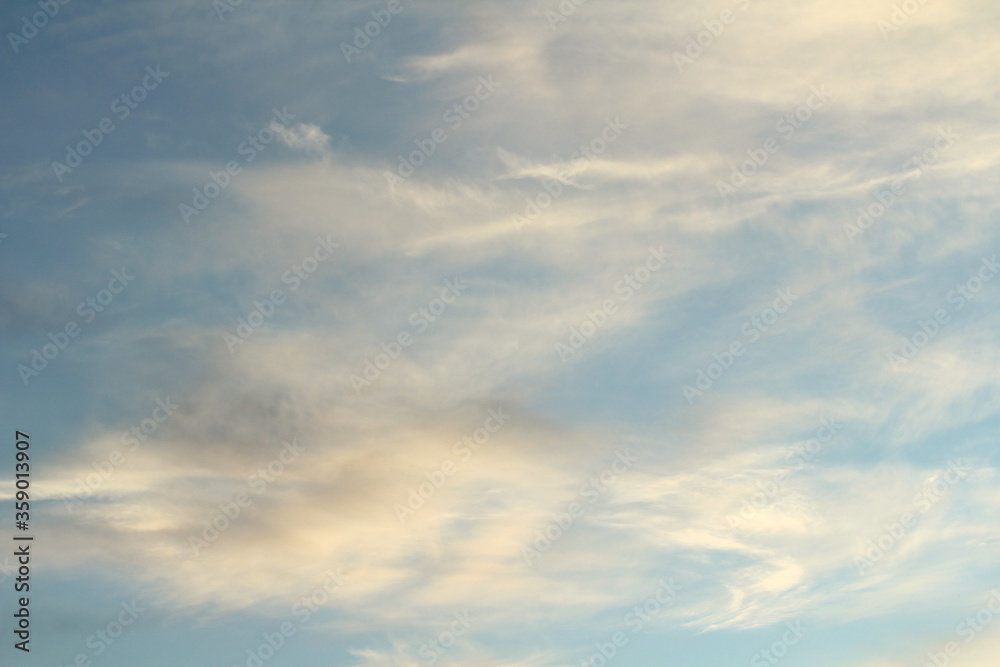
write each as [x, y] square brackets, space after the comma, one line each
[506, 312]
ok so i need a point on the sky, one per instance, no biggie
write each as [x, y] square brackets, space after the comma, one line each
[502, 333]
